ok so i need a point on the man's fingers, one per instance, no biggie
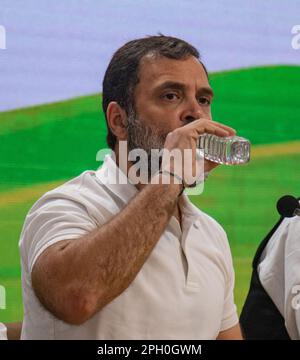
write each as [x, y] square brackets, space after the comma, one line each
[225, 127]
[215, 130]
[213, 127]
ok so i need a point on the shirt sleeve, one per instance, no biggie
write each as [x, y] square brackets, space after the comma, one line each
[51, 220]
[230, 316]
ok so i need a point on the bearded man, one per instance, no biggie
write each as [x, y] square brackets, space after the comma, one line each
[120, 260]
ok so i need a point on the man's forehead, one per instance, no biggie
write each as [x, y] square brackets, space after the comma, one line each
[156, 70]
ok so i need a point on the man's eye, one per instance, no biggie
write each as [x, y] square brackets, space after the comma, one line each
[204, 101]
[170, 96]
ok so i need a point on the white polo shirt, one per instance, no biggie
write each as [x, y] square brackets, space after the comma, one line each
[279, 273]
[3, 335]
[183, 291]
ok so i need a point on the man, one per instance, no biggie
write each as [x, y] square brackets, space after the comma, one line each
[272, 308]
[279, 273]
[118, 261]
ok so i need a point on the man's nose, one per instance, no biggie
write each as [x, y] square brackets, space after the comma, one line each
[192, 112]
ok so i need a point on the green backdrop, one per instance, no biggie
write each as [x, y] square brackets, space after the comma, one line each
[43, 146]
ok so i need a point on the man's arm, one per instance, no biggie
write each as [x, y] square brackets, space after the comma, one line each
[233, 333]
[74, 279]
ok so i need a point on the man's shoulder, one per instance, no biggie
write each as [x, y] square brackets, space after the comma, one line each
[82, 192]
[82, 182]
[69, 202]
[72, 189]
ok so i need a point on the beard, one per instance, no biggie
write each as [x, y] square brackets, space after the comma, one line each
[141, 136]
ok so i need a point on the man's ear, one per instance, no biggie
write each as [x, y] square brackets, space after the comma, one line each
[117, 120]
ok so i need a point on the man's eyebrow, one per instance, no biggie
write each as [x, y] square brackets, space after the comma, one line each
[172, 85]
[179, 86]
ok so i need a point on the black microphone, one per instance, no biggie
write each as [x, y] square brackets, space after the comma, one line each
[288, 206]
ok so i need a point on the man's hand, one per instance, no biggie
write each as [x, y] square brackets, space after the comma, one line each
[186, 164]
